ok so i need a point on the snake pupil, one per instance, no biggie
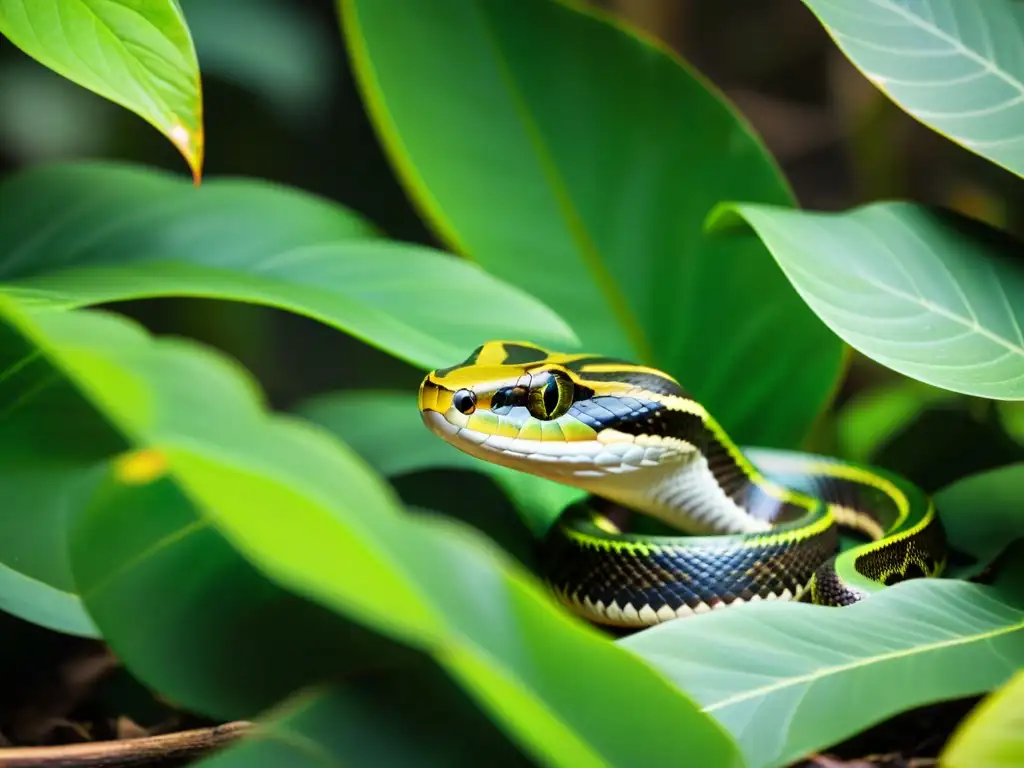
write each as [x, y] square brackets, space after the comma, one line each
[464, 401]
[551, 397]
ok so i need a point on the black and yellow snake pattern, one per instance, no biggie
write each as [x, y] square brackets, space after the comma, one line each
[756, 524]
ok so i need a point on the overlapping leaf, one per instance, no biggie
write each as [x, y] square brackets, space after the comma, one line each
[212, 467]
[957, 67]
[773, 673]
[925, 292]
[982, 514]
[993, 734]
[405, 716]
[87, 233]
[137, 53]
[577, 160]
[81, 234]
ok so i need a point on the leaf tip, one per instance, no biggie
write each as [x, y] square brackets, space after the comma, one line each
[190, 145]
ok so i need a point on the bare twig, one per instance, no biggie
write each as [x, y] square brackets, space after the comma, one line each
[125, 752]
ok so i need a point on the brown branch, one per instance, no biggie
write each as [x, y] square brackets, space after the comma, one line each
[124, 752]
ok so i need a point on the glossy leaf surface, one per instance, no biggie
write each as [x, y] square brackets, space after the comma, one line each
[212, 467]
[123, 232]
[577, 160]
[957, 67]
[137, 53]
[773, 672]
[992, 736]
[982, 514]
[928, 293]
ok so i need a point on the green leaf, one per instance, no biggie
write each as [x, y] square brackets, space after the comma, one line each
[578, 160]
[875, 416]
[124, 232]
[1011, 416]
[982, 513]
[992, 736]
[400, 717]
[926, 292]
[296, 79]
[775, 673]
[137, 53]
[212, 463]
[52, 455]
[957, 67]
[360, 418]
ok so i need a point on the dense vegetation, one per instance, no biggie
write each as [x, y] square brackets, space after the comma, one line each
[593, 191]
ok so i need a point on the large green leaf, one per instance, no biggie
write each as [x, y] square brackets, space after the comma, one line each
[578, 160]
[121, 232]
[296, 79]
[874, 416]
[52, 454]
[992, 736]
[957, 67]
[982, 514]
[137, 53]
[791, 678]
[211, 463]
[406, 716]
[925, 292]
[360, 418]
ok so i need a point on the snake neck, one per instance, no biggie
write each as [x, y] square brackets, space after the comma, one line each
[713, 488]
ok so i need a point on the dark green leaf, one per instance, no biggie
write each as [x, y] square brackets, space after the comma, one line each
[874, 416]
[137, 53]
[928, 293]
[982, 513]
[297, 79]
[791, 678]
[121, 232]
[957, 67]
[407, 716]
[578, 160]
[52, 454]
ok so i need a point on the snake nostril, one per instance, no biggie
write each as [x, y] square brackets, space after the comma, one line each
[464, 401]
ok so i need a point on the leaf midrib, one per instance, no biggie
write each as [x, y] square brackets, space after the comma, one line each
[823, 672]
[971, 324]
[958, 45]
[575, 224]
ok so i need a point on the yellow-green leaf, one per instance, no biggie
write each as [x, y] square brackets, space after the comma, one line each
[992, 736]
[137, 53]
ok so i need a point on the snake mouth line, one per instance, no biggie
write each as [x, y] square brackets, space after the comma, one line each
[580, 459]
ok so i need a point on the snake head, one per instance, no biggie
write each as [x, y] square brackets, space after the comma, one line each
[583, 420]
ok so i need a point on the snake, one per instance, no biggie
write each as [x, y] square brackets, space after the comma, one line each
[726, 525]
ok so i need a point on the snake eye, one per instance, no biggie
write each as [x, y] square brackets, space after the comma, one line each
[464, 401]
[550, 396]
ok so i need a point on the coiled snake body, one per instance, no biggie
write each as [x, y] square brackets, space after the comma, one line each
[760, 524]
